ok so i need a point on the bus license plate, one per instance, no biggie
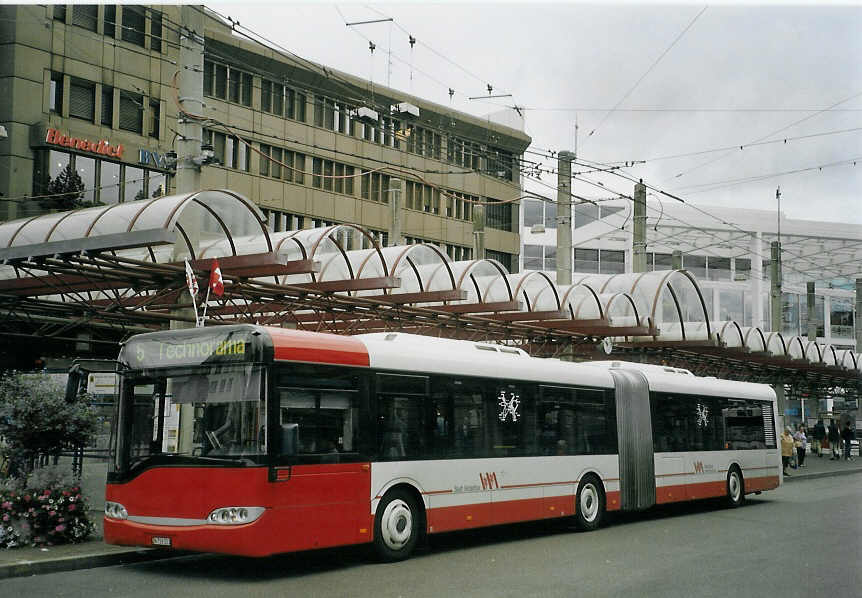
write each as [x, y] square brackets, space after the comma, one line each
[161, 541]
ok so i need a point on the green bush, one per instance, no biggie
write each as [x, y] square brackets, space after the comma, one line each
[45, 509]
[36, 419]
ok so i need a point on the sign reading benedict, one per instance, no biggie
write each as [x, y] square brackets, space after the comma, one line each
[192, 347]
[101, 147]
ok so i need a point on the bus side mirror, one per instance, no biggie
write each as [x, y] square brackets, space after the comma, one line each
[289, 438]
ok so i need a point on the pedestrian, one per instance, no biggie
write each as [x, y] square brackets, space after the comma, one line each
[834, 440]
[786, 449]
[799, 441]
[847, 436]
[819, 434]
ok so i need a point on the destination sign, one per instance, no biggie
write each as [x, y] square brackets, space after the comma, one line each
[166, 349]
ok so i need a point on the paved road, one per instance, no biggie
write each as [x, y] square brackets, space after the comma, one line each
[801, 540]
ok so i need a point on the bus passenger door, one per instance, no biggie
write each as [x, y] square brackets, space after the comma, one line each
[634, 432]
[322, 492]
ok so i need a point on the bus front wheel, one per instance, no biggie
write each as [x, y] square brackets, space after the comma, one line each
[735, 487]
[396, 525]
[590, 503]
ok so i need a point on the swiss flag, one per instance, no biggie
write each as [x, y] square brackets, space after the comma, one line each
[216, 281]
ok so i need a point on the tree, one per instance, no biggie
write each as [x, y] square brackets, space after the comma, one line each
[65, 191]
[36, 419]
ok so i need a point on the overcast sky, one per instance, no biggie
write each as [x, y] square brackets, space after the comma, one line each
[683, 79]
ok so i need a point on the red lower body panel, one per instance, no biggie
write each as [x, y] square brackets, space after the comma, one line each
[314, 507]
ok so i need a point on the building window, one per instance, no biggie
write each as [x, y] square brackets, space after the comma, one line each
[841, 318]
[612, 262]
[266, 95]
[60, 12]
[742, 268]
[504, 258]
[82, 99]
[247, 83]
[131, 112]
[234, 81]
[220, 81]
[316, 172]
[532, 212]
[263, 167]
[107, 106]
[86, 16]
[134, 184]
[110, 24]
[236, 154]
[134, 25]
[663, 261]
[155, 31]
[586, 260]
[550, 258]
[696, 264]
[585, 213]
[532, 257]
[718, 268]
[155, 117]
[109, 183]
[56, 99]
[499, 215]
[278, 171]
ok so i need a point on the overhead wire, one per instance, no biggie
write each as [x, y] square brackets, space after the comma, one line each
[773, 133]
[648, 71]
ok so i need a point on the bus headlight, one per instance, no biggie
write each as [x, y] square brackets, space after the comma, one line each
[114, 510]
[234, 515]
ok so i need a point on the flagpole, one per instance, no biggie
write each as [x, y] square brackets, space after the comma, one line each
[191, 282]
[206, 304]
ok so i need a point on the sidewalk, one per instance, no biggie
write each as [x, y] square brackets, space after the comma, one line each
[822, 467]
[94, 553]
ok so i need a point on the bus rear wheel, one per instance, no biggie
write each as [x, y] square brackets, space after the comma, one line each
[590, 503]
[396, 525]
[735, 487]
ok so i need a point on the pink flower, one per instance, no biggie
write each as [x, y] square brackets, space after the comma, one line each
[60, 528]
[72, 507]
[65, 493]
[6, 517]
[7, 505]
[46, 493]
[27, 497]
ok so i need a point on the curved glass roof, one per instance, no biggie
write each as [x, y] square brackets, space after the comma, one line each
[536, 289]
[484, 281]
[220, 223]
[199, 219]
[755, 340]
[582, 302]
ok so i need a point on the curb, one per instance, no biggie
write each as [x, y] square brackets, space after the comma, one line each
[822, 474]
[26, 568]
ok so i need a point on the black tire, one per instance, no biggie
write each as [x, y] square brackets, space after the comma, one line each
[735, 487]
[397, 525]
[590, 503]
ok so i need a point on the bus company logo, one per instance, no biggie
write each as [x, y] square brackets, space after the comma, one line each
[698, 467]
[702, 415]
[489, 480]
[200, 349]
[509, 406]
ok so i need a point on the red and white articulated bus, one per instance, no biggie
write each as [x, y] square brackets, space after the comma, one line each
[303, 440]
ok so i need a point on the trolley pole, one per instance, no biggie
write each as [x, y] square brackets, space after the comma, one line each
[564, 217]
[394, 192]
[775, 307]
[188, 180]
[639, 229]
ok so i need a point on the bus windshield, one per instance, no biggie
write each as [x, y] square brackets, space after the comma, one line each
[226, 403]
